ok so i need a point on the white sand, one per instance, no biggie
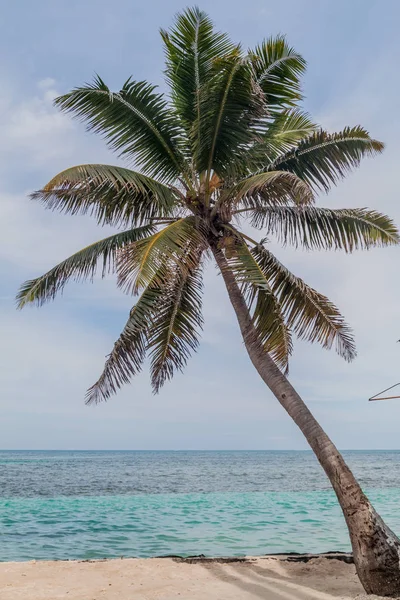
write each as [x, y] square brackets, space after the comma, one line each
[166, 579]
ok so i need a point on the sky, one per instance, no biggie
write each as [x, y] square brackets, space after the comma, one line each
[49, 356]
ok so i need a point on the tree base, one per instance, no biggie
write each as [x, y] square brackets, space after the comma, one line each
[376, 551]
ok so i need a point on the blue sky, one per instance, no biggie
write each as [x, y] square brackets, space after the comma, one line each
[50, 356]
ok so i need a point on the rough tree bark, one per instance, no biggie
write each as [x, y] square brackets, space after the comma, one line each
[376, 548]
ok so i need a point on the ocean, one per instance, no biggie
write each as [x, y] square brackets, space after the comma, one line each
[85, 505]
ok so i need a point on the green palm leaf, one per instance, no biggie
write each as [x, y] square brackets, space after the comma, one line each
[175, 244]
[113, 195]
[309, 314]
[191, 46]
[175, 328]
[324, 228]
[80, 266]
[135, 121]
[288, 128]
[282, 134]
[273, 333]
[324, 158]
[277, 69]
[266, 312]
[269, 188]
[230, 104]
[129, 351]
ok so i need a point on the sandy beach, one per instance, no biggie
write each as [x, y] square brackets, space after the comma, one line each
[270, 578]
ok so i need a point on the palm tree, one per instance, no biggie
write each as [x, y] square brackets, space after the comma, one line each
[228, 143]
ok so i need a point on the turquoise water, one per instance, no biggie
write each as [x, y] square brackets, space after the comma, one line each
[93, 505]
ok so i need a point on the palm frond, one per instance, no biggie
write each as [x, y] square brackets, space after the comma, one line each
[191, 46]
[324, 158]
[129, 351]
[166, 321]
[175, 244]
[288, 128]
[230, 104]
[266, 312]
[324, 228]
[269, 188]
[135, 121]
[282, 134]
[113, 195]
[80, 266]
[176, 326]
[309, 314]
[278, 69]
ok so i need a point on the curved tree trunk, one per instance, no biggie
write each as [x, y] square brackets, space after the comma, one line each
[376, 548]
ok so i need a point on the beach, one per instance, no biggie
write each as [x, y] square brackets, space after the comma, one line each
[88, 525]
[269, 578]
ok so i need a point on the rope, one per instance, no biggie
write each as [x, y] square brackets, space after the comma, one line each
[382, 392]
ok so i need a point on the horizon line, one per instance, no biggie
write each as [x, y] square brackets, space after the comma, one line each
[189, 450]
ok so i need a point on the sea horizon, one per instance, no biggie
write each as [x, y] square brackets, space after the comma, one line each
[191, 450]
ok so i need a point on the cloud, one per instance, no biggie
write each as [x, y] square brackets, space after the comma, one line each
[47, 83]
[38, 140]
[33, 131]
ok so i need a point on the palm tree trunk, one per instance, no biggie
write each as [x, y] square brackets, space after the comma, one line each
[376, 548]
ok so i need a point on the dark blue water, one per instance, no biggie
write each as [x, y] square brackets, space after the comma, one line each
[106, 504]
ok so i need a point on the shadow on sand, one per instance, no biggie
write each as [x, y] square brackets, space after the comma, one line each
[280, 583]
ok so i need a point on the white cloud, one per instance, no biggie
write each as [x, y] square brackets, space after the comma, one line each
[35, 131]
[47, 83]
[37, 138]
